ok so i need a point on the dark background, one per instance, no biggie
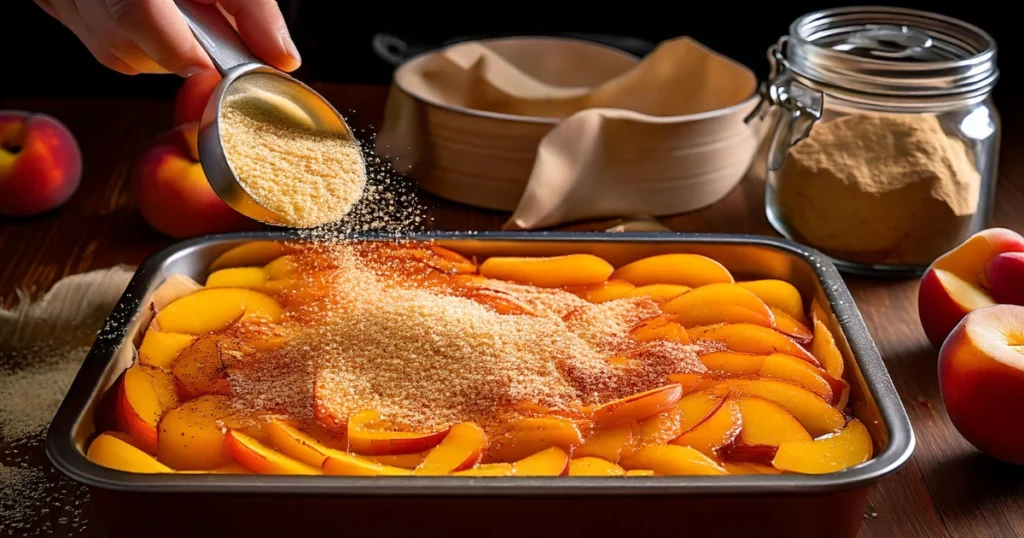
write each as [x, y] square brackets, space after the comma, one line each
[43, 59]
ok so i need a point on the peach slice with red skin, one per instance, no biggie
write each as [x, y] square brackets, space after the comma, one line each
[981, 377]
[659, 293]
[719, 303]
[823, 346]
[461, 449]
[798, 372]
[816, 415]
[762, 454]
[551, 272]
[146, 394]
[716, 431]
[691, 270]
[192, 434]
[115, 453]
[364, 439]
[780, 295]
[531, 435]
[750, 338]
[768, 423]
[1004, 274]
[672, 460]
[830, 454]
[259, 458]
[603, 292]
[551, 461]
[610, 443]
[638, 406]
[663, 327]
[590, 466]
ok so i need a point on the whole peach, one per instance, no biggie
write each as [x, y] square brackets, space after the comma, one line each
[173, 194]
[192, 97]
[40, 163]
[981, 376]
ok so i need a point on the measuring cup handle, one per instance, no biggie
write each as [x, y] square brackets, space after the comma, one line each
[216, 35]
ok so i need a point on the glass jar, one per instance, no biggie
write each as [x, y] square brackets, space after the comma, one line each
[884, 139]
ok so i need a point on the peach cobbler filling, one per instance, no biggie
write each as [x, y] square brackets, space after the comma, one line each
[381, 358]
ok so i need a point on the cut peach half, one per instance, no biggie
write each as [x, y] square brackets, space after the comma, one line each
[663, 327]
[823, 346]
[253, 253]
[146, 394]
[114, 453]
[461, 449]
[531, 435]
[779, 294]
[211, 310]
[672, 460]
[789, 326]
[816, 415]
[488, 469]
[768, 423]
[714, 432]
[363, 438]
[259, 458]
[638, 406]
[610, 443]
[551, 461]
[551, 272]
[659, 293]
[192, 434]
[691, 270]
[160, 348]
[750, 338]
[603, 292]
[590, 466]
[345, 464]
[200, 369]
[238, 277]
[849, 447]
[719, 303]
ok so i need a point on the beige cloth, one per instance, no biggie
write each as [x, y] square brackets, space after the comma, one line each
[660, 136]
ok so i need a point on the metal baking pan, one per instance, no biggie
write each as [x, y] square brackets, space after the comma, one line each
[761, 505]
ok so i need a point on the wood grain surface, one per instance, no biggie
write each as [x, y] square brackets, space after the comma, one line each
[947, 489]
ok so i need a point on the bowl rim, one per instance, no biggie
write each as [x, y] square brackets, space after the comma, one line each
[710, 114]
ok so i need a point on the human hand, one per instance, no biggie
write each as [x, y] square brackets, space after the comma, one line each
[151, 36]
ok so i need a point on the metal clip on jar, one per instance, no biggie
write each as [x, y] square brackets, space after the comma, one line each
[885, 139]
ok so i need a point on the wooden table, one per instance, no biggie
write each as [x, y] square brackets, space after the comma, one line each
[948, 489]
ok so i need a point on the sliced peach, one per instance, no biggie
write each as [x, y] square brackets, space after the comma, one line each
[552, 461]
[237, 277]
[345, 464]
[672, 460]
[732, 363]
[843, 393]
[282, 268]
[461, 449]
[659, 293]
[249, 254]
[691, 270]
[230, 468]
[160, 349]
[200, 369]
[109, 451]
[716, 431]
[638, 406]
[610, 443]
[847, 448]
[531, 435]
[639, 472]
[814, 413]
[603, 292]
[261, 459]
[719, 303]
[211, 310]
[762, 454]
[767, 423]
[363, 438]
[660, 428]
[296, 443]
[817, 312]
[500, 302]
[744, 467]
[791, 327]
[750, 338]
[553, 272]
[590, 466]
[823, 346]
[687, 380]
[696, 407]
[192, 434]
[798, 372]
[779, 294]
[405, 461]
[488, 469]
[663, 327]
[146, 394]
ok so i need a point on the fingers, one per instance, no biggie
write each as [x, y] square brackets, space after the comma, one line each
[158, 28]
[67, 12]
[106, 31]
[264, 31]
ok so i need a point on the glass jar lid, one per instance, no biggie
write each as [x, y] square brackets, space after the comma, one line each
[891, 51]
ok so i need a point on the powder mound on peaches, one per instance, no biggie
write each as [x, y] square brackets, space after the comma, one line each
[427, 350]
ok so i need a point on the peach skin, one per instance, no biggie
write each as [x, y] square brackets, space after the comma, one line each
[1005, 275]
[956, 283]
[981, 377]
[193, 96]
[40, 163]
[145, 396]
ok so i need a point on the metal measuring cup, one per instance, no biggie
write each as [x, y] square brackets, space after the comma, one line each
[244, 75]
